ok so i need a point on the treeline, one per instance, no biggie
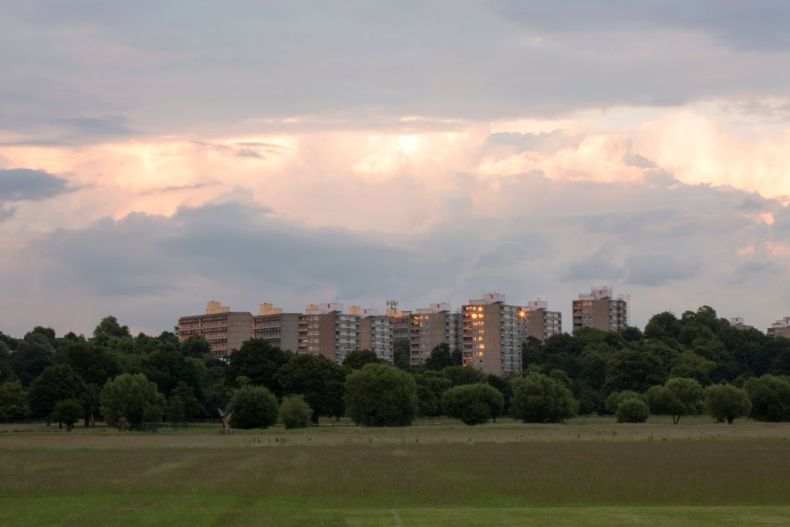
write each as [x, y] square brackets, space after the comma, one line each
[679, 366]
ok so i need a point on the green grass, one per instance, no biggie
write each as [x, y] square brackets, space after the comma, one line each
[588, 472]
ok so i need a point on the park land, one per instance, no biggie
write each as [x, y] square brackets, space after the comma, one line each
[589, 471]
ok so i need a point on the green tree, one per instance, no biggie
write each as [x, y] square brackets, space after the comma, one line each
[458, 375]
[356, 359]
[253, 407]
[319, 380]
[430, 387]
[441, 358]
[770, 397]
[295, 412]
[725, 402]
[109, 329]
[538, 398]
[473, 403]
[68, 412]
[13, 401]
[259, 361]
[381, 395]
[615, 398]
[94, 364]
[56, 383]
[32, 356]
[401, 355]
[182, 405]
[196, 346]
[133, 397]
[677, 397]
[632, 410]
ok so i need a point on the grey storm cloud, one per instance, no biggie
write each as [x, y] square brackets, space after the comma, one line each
[190, 64]
[658, 269]
[17, 184]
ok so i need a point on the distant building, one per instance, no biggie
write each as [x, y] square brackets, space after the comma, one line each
[325, 330]
[541, 323]
[739, 323]
[492, 335]
[279, 329]
[780, 328]
[431, 327]
[600, 310]
[375, 333]
[225, 330]
[400, 321]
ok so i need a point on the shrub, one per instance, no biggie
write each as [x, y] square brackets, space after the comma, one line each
[770, 397]
[253, 407]
[134, 397]
[381, 395]
[295, 412]
[473, 403]
[68, 412]
[725, 402]
[538, 398]
[632, 410]
[13, 401]
[678, 397]
[614, 399]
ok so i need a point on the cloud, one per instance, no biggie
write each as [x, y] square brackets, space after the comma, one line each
[657, 269]
[17, 184]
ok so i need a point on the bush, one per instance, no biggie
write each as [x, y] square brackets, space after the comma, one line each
[473, 403]
[13, 401]
[632, 410]
[381, 395]
[68, 412]
[614, 399]
[134, 397]
[295, 412]
[725, 402]
[770, 397]
[678, 397]
[253, 407]
[538, 398]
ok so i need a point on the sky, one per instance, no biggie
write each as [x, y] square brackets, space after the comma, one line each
[157, 155]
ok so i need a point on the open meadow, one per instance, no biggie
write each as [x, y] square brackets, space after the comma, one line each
[590, 471]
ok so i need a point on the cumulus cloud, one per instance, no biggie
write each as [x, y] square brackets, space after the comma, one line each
[18, 184]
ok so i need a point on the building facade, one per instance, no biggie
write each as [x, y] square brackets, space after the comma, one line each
[541, 323]
[225, 330]
[325, 330]
[780, 328]
[599, 309]
[279, 329]
[375, 333]
[431, 327]
[492, 335]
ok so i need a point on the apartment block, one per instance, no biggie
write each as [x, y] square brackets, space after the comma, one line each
[225, 330]
[279, 329]
[599, 309]
[375, 333]
[325, 330]
[492, 335]
[430, 327]
[780, 328]
[739, 323]
[541, 323]
[400, 321]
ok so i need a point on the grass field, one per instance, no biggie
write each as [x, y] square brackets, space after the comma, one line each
[589, 472]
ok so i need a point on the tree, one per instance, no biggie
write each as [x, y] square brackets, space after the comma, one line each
[253, 407]
[295, 412]
[182, 406]
[458, 375]
[196, 346]
[381, 395]
[538, 398]
[319, 380]
[56, 383]
[13, 401]
[679, 396]
[725, 402]
[473, 403]
[133, 397]
[770, 397]
[358, 358]
[32, 356]
[401, 356]
[109, 329]
[441, 357]
[68, 412]
[615, 398]
[430, 387]
[94, 364]
[258, 360]
[632, 410]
